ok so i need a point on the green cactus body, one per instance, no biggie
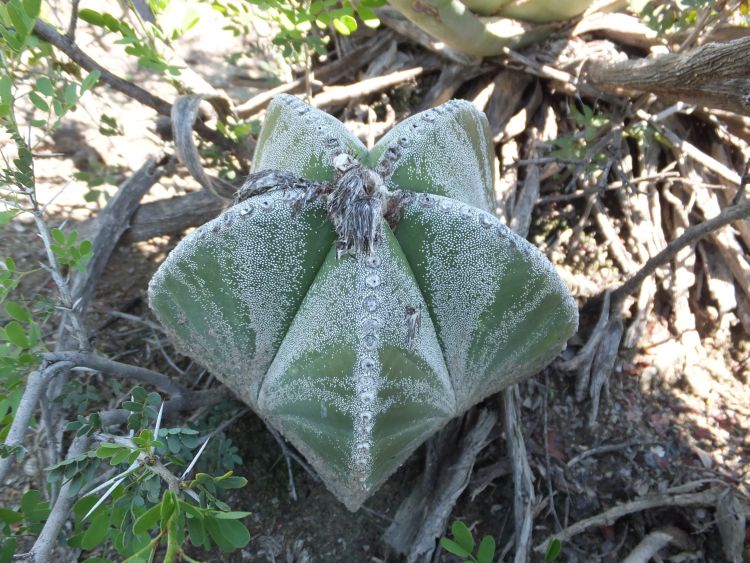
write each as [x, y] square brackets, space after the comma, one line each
[534, 11]
[358, 360]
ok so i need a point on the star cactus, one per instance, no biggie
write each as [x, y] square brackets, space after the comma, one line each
[358, 301]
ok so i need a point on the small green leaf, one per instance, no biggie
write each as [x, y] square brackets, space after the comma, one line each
[59, 236]
[367, 16]
[452, 547]
[147, 520]
[90, 81]
[17, 312]
[168, 506]
[96, 533]
[44, 85]
[32, 8]
[18, 19]
[553, 550]
[231, 515]
[38, 102]
[6, 90]
[108, 449]
[349, 22]
[6, 216]
[29, 501]
[197, 531]
[15, 334]
[341, 27]
[70, 94]
[486, 551]
[234, 532]
[9, 516]
[92, 17]
[462, 535]
[215, 530]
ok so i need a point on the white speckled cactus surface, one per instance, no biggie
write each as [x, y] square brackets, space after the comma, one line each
[358, 301]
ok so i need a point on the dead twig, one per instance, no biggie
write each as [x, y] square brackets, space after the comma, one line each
[655, 541]
[609, 517]
[72, 50]
[606, 449]
[691, 235]
[423, 515]
[330, 72]
[71, 33]
[119, 370]
[337, 95]
[35, 386]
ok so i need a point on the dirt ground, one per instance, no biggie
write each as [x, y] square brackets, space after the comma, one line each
[658, 431]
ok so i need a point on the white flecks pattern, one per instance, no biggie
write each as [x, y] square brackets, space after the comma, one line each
[448, 148]
[300, 135]
[467, 255]
[259, 251]
[358, 304]
[232, 296]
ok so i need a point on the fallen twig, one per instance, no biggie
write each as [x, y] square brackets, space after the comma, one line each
[691, 235]
[352, 62]
[655, 541]
[423, 515]
[343, 94]
[609, 517]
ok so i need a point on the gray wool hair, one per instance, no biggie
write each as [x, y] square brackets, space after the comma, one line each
[356, 201]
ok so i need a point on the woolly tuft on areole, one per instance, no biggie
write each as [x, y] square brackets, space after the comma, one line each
[358, 301]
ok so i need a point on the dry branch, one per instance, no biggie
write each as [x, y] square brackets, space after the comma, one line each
[35, 386]
[119, 370]
[655, 541]
[715, 75]
[422, 517]
[336, 95]
[609, 517]
[112, 221]
[72, 50]
[330, 72]
[691, 235]
[172, 216]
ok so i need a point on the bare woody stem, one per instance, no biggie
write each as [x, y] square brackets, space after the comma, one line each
[69, 47]
[119, 370]
[35, 386]
[691, 235]
[63, 287]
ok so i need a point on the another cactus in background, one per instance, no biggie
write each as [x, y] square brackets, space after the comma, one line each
[485, 27]
[359, 300]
